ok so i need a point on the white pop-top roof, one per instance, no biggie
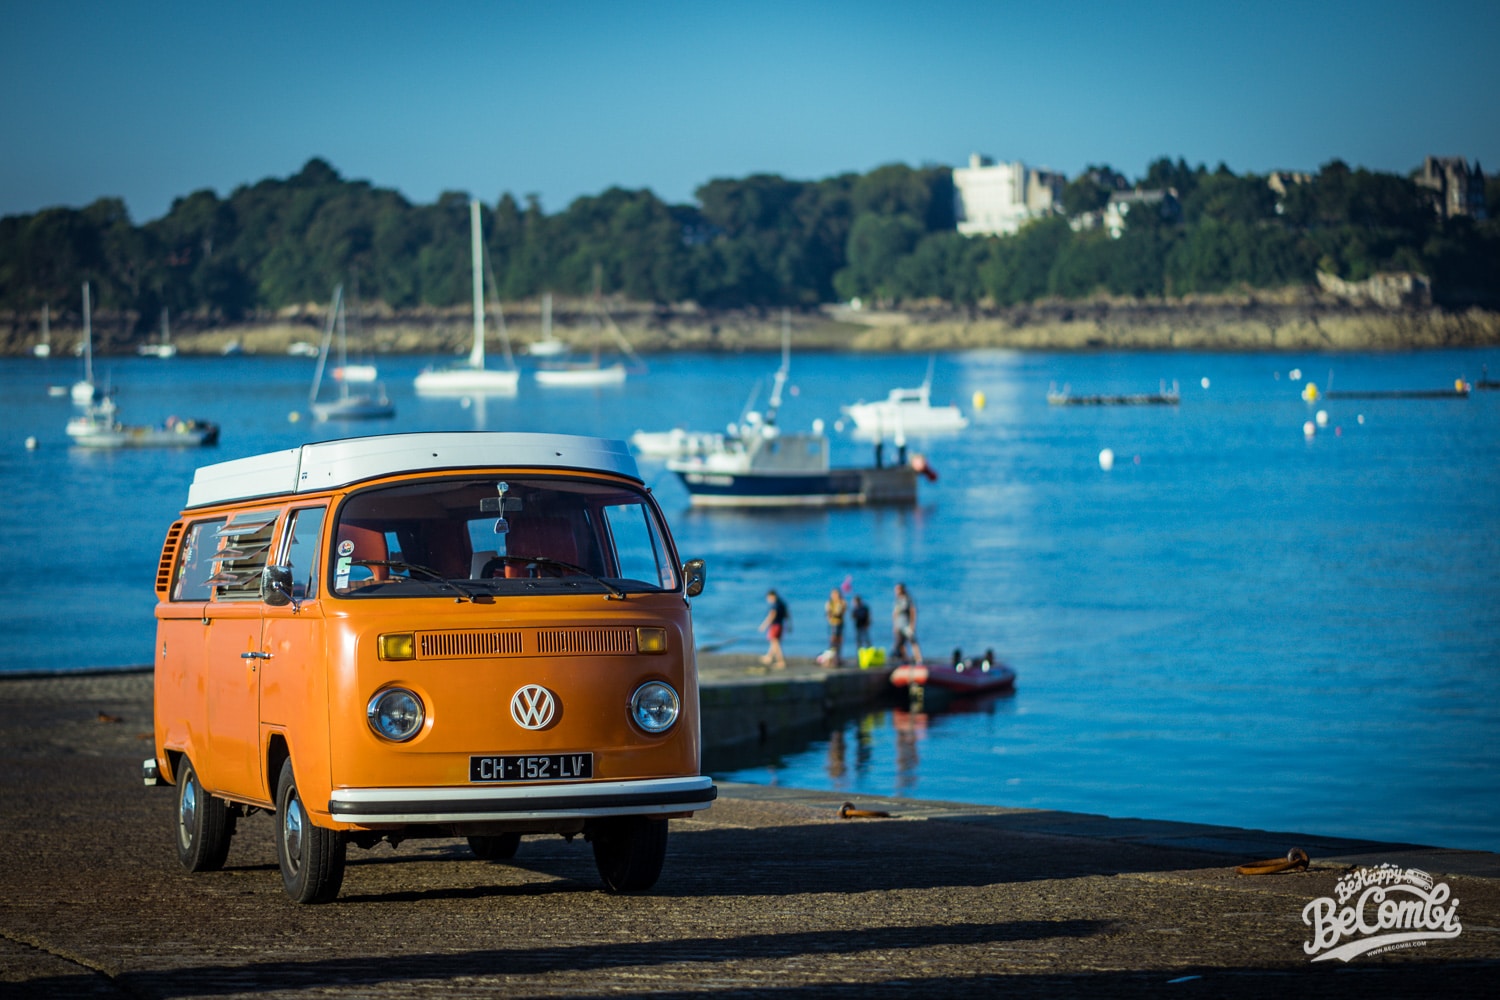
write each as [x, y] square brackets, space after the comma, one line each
[327, 465]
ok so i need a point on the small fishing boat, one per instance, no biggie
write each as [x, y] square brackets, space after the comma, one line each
[347, 405]
[98, 427]
[975, 676]
[757, 464]
[472, 377]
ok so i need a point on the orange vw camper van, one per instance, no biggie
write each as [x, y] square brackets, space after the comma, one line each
[466, 635]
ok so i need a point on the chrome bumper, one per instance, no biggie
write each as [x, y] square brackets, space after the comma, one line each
[477, 803]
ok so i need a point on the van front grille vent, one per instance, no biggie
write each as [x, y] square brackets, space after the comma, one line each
[585, 640]
[454, 644]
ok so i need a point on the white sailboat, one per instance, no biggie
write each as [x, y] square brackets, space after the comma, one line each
[473, 377]
[83, 390]
[549, 346]
[578, 374]
[44, 349]
[347, 406]
[162, 349]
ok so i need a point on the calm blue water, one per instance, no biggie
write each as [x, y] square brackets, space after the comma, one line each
[1242, 627]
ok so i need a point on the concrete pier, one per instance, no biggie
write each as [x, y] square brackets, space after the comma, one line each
[768, 894]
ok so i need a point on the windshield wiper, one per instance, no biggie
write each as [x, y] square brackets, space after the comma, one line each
[614, 592]
[425, 571]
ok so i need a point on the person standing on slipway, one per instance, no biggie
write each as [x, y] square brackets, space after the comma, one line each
[834, 610]
[859, 613]
[904, 628]
[773, 625]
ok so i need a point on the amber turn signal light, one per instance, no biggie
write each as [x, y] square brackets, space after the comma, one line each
[398, 646]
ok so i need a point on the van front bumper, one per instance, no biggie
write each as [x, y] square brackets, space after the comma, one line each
[482, 803]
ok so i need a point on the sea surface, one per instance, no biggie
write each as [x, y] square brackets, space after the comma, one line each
[1238, 623]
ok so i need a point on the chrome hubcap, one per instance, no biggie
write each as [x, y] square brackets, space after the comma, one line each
[187, 811]
[291, 832]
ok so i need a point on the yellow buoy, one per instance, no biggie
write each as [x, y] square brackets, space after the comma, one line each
[294, 416]
[1310, 392]
[978, 400]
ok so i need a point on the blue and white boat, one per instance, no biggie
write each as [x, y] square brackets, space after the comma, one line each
[757, 464]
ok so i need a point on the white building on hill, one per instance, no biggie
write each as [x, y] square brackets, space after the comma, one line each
[992, 198]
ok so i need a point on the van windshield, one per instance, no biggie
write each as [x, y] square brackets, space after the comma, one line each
[500, 536]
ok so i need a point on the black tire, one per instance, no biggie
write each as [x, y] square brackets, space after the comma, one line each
[204, 824]
[629, 852]
[311, 858]
[496, 848]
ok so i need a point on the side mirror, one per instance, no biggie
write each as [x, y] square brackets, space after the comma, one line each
[693, 573]
[276, 586]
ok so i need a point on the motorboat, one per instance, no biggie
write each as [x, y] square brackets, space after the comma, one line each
[347, 405]
[675, 443]
[905, 412]
[758, 464]
[979, 675]
[472, 377]
[98, 427]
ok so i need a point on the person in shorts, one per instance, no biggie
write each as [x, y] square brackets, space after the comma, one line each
[774, 625]
[904, 645]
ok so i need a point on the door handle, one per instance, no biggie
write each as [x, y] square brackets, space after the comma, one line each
[255, 655]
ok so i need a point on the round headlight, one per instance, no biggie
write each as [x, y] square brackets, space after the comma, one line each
[654, 706]
[395, 714]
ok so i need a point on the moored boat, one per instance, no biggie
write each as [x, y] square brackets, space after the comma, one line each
[905, 412]
[978, 675]
[98, 428]
[472, 377]
[757, 464]
[347, 405]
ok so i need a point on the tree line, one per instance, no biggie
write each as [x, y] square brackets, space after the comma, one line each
[762, 241]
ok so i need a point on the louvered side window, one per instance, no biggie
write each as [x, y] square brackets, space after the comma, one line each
[195, 561]
[243, 546]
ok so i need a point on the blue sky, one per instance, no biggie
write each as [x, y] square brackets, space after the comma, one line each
[151, 101]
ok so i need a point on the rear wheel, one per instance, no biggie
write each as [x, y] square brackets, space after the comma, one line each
[496, 848]
[204, 824]
[629, 852]
[311, 858]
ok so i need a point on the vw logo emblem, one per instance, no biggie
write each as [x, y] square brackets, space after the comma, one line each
[533, 707]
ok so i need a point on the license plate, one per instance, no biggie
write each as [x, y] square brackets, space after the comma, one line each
[532, 767]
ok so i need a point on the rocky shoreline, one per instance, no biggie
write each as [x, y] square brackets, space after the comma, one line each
[1292, 320]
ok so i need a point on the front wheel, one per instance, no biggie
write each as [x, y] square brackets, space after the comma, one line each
[204, 824]
[629, 852]
[311, 858]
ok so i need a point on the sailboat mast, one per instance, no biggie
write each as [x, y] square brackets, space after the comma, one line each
[88, 337]
[338, 304]
[784, 370]
[476, 250]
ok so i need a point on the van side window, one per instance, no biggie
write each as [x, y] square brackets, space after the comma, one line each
[304, 528]
[244, 546]
[195, 561]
